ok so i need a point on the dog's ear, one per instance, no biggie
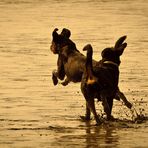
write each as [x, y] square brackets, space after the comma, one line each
[120, 46]
[121, 49]
[119, 42]
[55, 35]
[66, 33]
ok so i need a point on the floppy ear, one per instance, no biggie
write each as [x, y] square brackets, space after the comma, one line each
[121, 48]
[55, 35]
[66, 33]
[119, 42]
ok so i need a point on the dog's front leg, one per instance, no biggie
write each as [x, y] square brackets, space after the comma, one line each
[59, 73]
[65, 82]
[54, 77]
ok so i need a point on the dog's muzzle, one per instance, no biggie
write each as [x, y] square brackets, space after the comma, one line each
[54, 48]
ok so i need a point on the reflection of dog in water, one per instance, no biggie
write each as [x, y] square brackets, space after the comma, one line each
[71, 63]
[97, 136]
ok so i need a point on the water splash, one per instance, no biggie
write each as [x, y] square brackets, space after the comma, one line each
[138, 117]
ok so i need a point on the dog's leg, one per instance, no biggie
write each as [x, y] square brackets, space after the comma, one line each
[56, 74]
[88, 112]
[54, 77]
[65, 82]
[87, 115]
[121, 96]
[60, 72]
[91, 105]
[107, 106]
[110, 103]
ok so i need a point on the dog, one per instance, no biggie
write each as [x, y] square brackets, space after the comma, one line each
[102, 82]
[70, 60]
[71, 63]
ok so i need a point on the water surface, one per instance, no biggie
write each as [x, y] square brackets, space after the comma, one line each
[33, 112]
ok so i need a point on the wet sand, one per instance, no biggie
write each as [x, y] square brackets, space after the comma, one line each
[33, 112]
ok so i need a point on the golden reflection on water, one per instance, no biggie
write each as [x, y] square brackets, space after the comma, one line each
[30, 104]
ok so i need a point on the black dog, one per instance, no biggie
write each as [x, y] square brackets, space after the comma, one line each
[71, 63]
[102, 82]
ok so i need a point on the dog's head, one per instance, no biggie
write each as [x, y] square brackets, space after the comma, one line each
[60, 41]
[113, 53]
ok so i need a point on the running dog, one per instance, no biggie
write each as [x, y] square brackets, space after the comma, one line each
[102, 82]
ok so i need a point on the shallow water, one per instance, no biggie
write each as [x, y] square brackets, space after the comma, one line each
[33, 112]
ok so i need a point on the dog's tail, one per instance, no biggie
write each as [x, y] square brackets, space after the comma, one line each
[91, 79]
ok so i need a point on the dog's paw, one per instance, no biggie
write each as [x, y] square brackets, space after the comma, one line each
[110, 118]
[54, 79]
[98, 122]
[64, 83]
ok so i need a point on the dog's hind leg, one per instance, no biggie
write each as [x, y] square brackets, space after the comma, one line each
[121, 96]
[87, 114]
[91, 105]
[107, 104]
